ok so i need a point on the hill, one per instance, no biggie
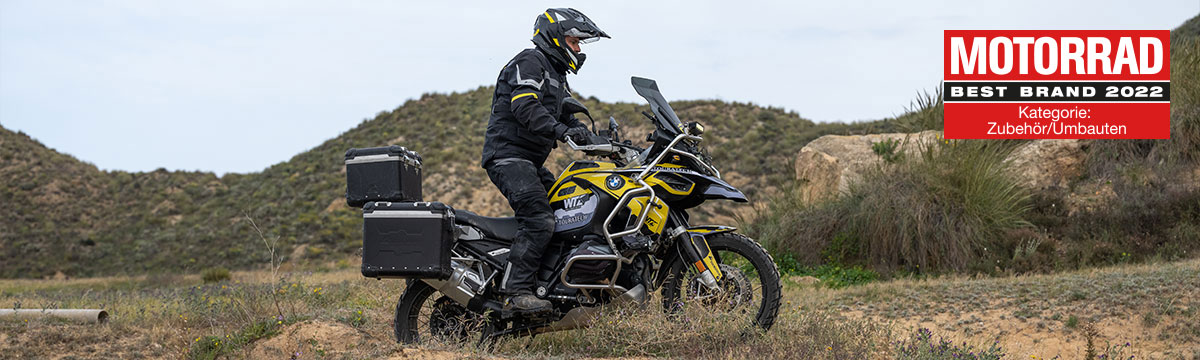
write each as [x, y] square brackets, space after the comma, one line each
[61, 214]
[65, 215]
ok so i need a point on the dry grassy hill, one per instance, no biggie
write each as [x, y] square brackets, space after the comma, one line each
[64, 215]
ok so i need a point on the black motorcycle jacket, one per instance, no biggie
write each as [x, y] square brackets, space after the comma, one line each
[527, 118]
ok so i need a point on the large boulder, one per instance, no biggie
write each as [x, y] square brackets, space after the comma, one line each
[828, 165]
[1047, 163]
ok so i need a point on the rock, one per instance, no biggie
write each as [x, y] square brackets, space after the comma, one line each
[828, 165]
[1042, 164]
[820, 174]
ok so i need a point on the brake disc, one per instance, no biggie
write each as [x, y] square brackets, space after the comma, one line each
[735, 289]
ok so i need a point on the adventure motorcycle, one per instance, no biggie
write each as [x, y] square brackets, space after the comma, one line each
[622, 232]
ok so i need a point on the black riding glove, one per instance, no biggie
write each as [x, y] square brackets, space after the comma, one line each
[579, 135]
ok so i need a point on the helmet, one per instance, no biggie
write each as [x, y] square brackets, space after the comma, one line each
[553, 26]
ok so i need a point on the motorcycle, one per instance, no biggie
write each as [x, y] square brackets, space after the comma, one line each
[622, 232]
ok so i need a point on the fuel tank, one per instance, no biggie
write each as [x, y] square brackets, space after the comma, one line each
[586, 193]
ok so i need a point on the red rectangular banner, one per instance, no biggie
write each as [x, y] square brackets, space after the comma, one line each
[1058, 120]
[1057, 84]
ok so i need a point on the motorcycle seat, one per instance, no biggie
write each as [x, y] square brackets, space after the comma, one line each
[499, 228]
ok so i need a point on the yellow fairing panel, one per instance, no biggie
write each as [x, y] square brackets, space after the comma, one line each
[577, 168]
[656, 219]
[568, 191]
[653, 180]
[598, 179]
[710, 229]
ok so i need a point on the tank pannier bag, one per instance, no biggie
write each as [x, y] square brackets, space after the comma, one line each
[407, 240]
[390, 173]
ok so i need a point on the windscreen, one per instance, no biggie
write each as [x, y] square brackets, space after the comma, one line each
[667, 119]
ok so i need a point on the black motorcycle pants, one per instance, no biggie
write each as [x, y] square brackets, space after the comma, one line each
[525, 186]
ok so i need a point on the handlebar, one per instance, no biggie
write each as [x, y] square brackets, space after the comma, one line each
[602, 148]
[608, 148]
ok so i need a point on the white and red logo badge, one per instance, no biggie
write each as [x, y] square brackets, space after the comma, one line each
[1057, 84]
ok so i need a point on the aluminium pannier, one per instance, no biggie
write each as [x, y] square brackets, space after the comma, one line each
[407, 240]
[390, 173]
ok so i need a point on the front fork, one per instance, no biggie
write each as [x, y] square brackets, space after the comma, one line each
[694, 252]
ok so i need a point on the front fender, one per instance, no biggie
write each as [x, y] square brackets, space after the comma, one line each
[710, 229]
[677, 258]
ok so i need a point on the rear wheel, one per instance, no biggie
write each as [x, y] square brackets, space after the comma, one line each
[423, 314]
[750, 284]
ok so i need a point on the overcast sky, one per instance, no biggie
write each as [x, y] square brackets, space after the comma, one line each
[235, 86]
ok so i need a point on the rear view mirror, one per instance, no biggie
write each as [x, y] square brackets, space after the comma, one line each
[612, 129]
[572, 106]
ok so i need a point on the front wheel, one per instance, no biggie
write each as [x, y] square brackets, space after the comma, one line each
[750, 283]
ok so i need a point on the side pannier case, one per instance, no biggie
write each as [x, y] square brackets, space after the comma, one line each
[390, 173]
[407, 240]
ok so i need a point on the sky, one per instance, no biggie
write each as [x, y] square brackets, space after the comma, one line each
[235, 86]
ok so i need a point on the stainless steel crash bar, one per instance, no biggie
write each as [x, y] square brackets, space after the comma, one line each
[671, 148]
[641, 219]
[612, 283]
[616, 254]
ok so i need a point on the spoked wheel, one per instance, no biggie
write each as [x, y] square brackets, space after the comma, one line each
[750, 284]
[421, 317]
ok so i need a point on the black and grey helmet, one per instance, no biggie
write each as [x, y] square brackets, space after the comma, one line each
[553, 26]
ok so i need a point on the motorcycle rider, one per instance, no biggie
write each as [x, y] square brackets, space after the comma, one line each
[526, 120]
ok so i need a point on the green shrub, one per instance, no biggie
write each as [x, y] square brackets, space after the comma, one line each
[217, 274]
[886, 149]
[832, 275]
[213, 347]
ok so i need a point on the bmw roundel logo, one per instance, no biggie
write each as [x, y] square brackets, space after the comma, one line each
[614, 182]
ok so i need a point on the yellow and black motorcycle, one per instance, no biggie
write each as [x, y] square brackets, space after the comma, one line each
[622, 232]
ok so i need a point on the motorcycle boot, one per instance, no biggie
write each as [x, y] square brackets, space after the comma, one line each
[526, 303]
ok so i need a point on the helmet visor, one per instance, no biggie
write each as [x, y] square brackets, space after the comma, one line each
[584, 37]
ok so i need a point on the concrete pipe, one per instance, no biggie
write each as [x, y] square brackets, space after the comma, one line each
[95, 316]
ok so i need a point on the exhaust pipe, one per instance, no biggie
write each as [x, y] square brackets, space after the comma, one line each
[462, 285]
[582, 316]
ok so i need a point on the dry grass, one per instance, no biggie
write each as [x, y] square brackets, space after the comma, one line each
[1154, 307]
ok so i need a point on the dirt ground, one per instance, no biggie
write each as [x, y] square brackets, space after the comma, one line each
[1153, 307]
[325, 340]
